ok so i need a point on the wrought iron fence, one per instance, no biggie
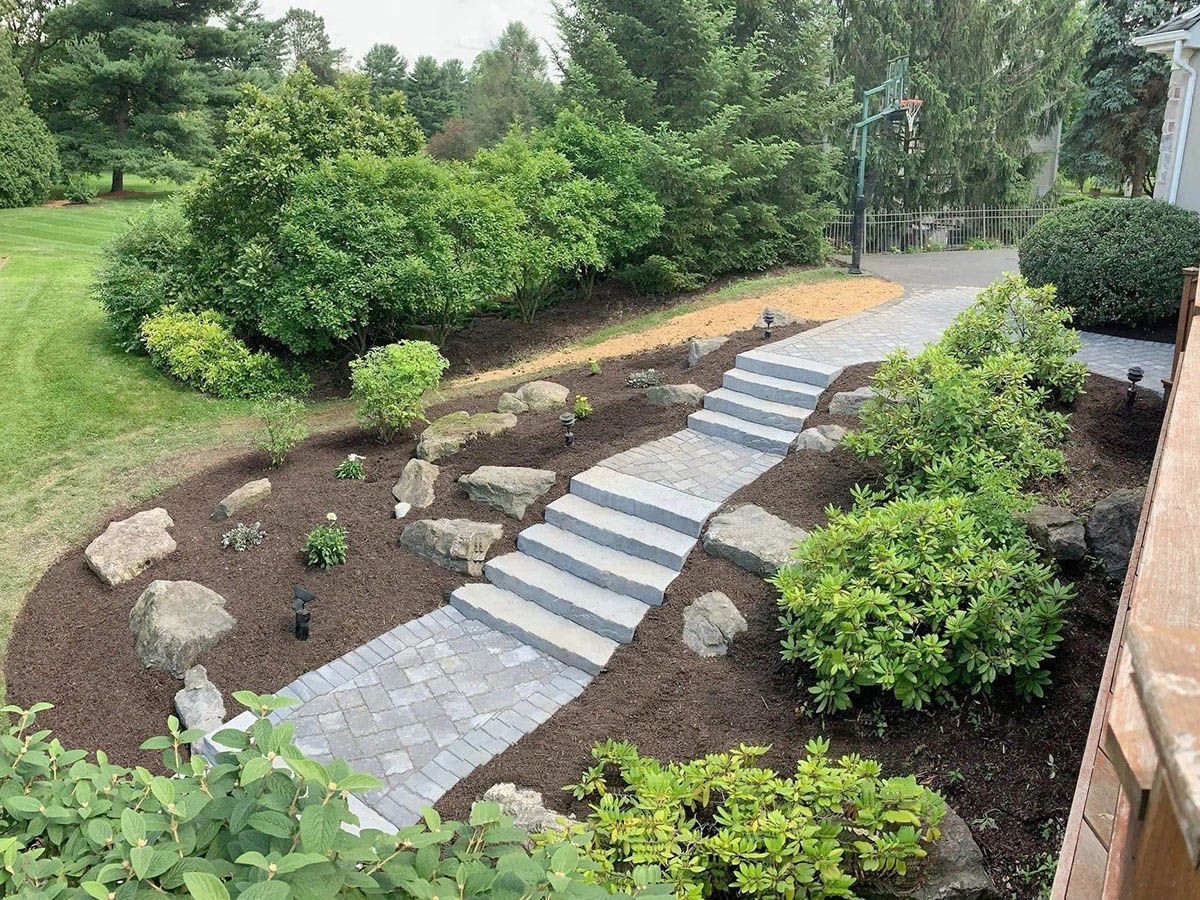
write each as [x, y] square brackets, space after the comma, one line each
[911, 231]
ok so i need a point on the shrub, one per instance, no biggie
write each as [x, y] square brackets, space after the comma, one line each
[658, 275]
[263, 822]
[721, 827]
[199, 350]
[283, 427]
[389, 384]
[27, 148]
[326, 545]
[79, 190]
[143, 271]
[351, 469]
[915, 598]
[242, 537]
[1114, 260]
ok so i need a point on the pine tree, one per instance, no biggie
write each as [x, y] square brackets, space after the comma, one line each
[307, 43]
[386, 69]
[509, 84]
[433, 92]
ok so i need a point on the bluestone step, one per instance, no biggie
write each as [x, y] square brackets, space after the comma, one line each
[644, 499]
[791, 368]
[552, 634]
[768, 387]
[748, 434]
[639, 578]
[621, 531]
[755, 409]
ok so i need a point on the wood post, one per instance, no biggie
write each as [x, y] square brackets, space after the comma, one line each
[1183, 328]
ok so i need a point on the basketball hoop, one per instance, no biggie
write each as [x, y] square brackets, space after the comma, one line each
[912, 110]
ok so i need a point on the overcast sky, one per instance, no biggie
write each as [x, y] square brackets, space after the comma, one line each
[441, 28]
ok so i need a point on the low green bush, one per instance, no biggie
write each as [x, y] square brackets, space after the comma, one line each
[79, 190]
[283, 427]
[1114, 260]
[28, 150]
[658, 275]
[200, 350]
[389, 385]
[351, 468]
[721, 826]
[915, 598]
[326, 545]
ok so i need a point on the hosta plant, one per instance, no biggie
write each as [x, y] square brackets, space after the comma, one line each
[721, 826]
[351, 469]
[915, 597]
[326, 545]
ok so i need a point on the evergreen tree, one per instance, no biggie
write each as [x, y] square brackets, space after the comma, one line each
[306, 43]
[509, 84]
[433, 92]
[386, 69]
[25, 23]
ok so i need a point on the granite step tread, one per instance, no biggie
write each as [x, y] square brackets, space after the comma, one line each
[749, 434]
[621, 531]
[754, 409]
[769, 387]
[645, 499]
[630, 575]
[792, 368]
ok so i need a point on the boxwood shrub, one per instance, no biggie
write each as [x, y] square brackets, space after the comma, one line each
[1114, 261]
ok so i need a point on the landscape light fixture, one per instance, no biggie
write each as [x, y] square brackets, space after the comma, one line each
[567, 420]
[1135, 374]
[768, 320]
[301, 597]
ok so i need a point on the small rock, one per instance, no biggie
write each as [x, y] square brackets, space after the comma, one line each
[402, 509]
[174, 622]
[953, 870]
[676, 395]
[449, 434]
[1058, 531]
[457, 544]
[527, 809]
[542, 396]
[698, 348]
[850, 403]
[415, 486]
[782, 317]
[509, 489]
[752, 538]
[710, 624]
[1111, 527]
[822, 439]
[129, 546]
[199, 704]
[511, 403]
[249, 493]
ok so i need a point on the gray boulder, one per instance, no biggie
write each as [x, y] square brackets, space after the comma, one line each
[457, 544]
[822, 439]
[509, 489]
[850, 403]
[782, 317]
[953, 870]
[1058, 531]
[415, 486]
[527, 809]
[175, 622]
[128, 547]
[250, 493]
[752, 538]
[446, 436]
[542, 396]
[675, 395]
[1111, 527]
[511, 403]
[710, 623]
[698, 348]
[199, 703]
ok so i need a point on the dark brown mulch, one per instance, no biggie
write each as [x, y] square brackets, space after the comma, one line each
[998, 761]
[71, 644]
[1163, 331]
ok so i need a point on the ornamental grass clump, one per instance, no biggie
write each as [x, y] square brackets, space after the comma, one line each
[721, 826]
[918, 599]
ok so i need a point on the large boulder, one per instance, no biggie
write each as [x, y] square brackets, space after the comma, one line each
[527, 809]
[710, 623]
[675, 395]
[175, 622]
[511, 403]
[248, 494]
[953, 870]
[128, 547]
[509, 489]
[752, 538]
[415, 486]
[199, 703]
[850, 403]
[781, 317]
[542, 396]
[822, 439]
[698, 348]
[457, 544]
[1111, 527]
[446, 436]
[1058, 531]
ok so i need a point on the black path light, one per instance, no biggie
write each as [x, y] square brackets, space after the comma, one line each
[567, 420]
[301, 597]
[1135, 374]
[768, 320]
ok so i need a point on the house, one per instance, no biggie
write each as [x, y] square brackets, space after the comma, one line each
[1178, 178]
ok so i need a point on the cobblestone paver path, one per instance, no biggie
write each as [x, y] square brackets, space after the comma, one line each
[423, 705]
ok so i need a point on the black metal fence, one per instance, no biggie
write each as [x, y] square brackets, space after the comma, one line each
[943, 229]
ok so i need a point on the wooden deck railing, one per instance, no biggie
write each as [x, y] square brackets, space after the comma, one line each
[1134, 828]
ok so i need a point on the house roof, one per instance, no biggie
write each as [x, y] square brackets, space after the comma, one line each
[1181, 28]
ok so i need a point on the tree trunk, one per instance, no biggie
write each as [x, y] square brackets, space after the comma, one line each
[120, 129]
[118, 180]
[1138, 186]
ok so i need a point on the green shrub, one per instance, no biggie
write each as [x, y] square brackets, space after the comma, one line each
[583, 407]
[389, 384]
[79, 190]
[915, 598]
[722, 827]
[143, 271]
[263, 823]
[28, 151]
[658, 275]
[199, 350]
[242, 537]
[1114, 260]
[351, 469]
[326, 545]
[283, 427]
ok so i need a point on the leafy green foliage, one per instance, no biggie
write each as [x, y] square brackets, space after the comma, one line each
[351, 469]
[509, 84]
[1114, 260]
[283, 427]
[200, 350]
[79, 190]
[29, 152]
[582, 407]
[916, 598]
[389, 385]
[721, 826]
[658, 275]
[326, 545]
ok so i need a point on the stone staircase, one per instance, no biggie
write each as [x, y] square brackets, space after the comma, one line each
[580, 583]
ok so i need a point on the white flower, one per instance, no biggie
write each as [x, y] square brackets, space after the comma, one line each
[331, 517]
[355, 456]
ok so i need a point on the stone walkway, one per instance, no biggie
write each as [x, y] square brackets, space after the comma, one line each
[425, 704]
